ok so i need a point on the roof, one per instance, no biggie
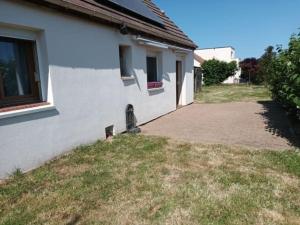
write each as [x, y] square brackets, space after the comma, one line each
[199, 59]
[216, 48]
[99, 11]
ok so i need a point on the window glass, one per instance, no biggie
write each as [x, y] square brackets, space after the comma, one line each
[18, 84]
[14, 69]
[125, 61]
[122, 61]
[151, 69]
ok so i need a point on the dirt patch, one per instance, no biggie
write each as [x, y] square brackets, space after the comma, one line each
[71, 170]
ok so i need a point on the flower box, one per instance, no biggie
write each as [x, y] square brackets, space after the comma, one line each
[157, 84]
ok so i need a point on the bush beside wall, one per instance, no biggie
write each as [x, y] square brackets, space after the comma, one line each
[215, 72]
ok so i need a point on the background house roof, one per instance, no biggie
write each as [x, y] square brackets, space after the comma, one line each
[217, 47]
[99, 10]
[199, 59]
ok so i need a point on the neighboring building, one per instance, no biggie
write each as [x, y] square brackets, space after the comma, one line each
[198, 60]
[70, 69]
[198, 78]
[226, 54]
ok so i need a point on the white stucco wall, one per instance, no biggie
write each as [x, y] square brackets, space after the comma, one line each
[226, 54]
[80, 75]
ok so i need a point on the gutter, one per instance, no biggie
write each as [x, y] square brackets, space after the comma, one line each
[151, 43]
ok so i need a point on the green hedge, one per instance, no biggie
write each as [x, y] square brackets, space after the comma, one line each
[215, 72]
[284, 78]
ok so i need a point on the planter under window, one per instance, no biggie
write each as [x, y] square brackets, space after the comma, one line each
[156, 84]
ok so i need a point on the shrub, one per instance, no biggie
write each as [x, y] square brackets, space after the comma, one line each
[215, 72]
[284, 79]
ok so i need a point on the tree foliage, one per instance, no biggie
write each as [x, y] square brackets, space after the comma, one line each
[250, 70]
[258, 71]
[215, 72]
[265, 70]
[284, 74]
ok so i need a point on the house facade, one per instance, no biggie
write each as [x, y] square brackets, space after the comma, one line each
[226, 54]
[69, 69]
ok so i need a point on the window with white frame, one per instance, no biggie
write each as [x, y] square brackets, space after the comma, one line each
[19, 83]
[125, 61]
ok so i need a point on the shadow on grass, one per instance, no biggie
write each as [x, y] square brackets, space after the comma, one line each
[278, 123]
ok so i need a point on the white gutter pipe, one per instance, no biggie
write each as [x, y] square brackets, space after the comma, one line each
[148, 42]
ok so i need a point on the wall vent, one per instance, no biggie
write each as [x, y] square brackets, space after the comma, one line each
[109, 131]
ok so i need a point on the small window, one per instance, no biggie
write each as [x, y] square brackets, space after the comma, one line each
[125, 61]
[152, 69]
[18, 84]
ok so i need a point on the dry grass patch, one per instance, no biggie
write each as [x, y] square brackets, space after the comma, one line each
[152, 180]
[232, 93]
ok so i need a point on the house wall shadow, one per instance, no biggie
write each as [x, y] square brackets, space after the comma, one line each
[29, 117]
[278, 123]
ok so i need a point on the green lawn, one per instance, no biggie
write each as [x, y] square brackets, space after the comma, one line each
[232, 93]
[152, 180]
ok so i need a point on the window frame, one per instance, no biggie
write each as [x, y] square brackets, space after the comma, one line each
[158, 83]
[32, 66]
[126, 52]
[156, 62]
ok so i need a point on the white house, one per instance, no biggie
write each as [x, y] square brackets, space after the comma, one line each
[226, 54]
[69, 69]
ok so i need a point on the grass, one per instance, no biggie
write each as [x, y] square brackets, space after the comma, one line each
[152, 180]
[232, 93]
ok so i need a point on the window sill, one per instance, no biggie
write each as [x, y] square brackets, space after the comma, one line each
[156, 89]
[25, 109]
[128, 78]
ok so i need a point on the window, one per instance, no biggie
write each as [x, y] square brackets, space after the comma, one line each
[125, 61]
[152, 69]
[18, 84]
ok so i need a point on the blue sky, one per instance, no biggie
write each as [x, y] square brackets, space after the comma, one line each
[248, 25]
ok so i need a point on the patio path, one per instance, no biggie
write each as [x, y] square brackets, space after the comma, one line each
[254, 124]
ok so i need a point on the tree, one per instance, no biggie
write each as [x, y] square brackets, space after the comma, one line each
[215, 72]
[250, 68]
[266, 64]
[284, 74]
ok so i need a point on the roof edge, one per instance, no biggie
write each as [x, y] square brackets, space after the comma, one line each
[105, 17]
[229, 46]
